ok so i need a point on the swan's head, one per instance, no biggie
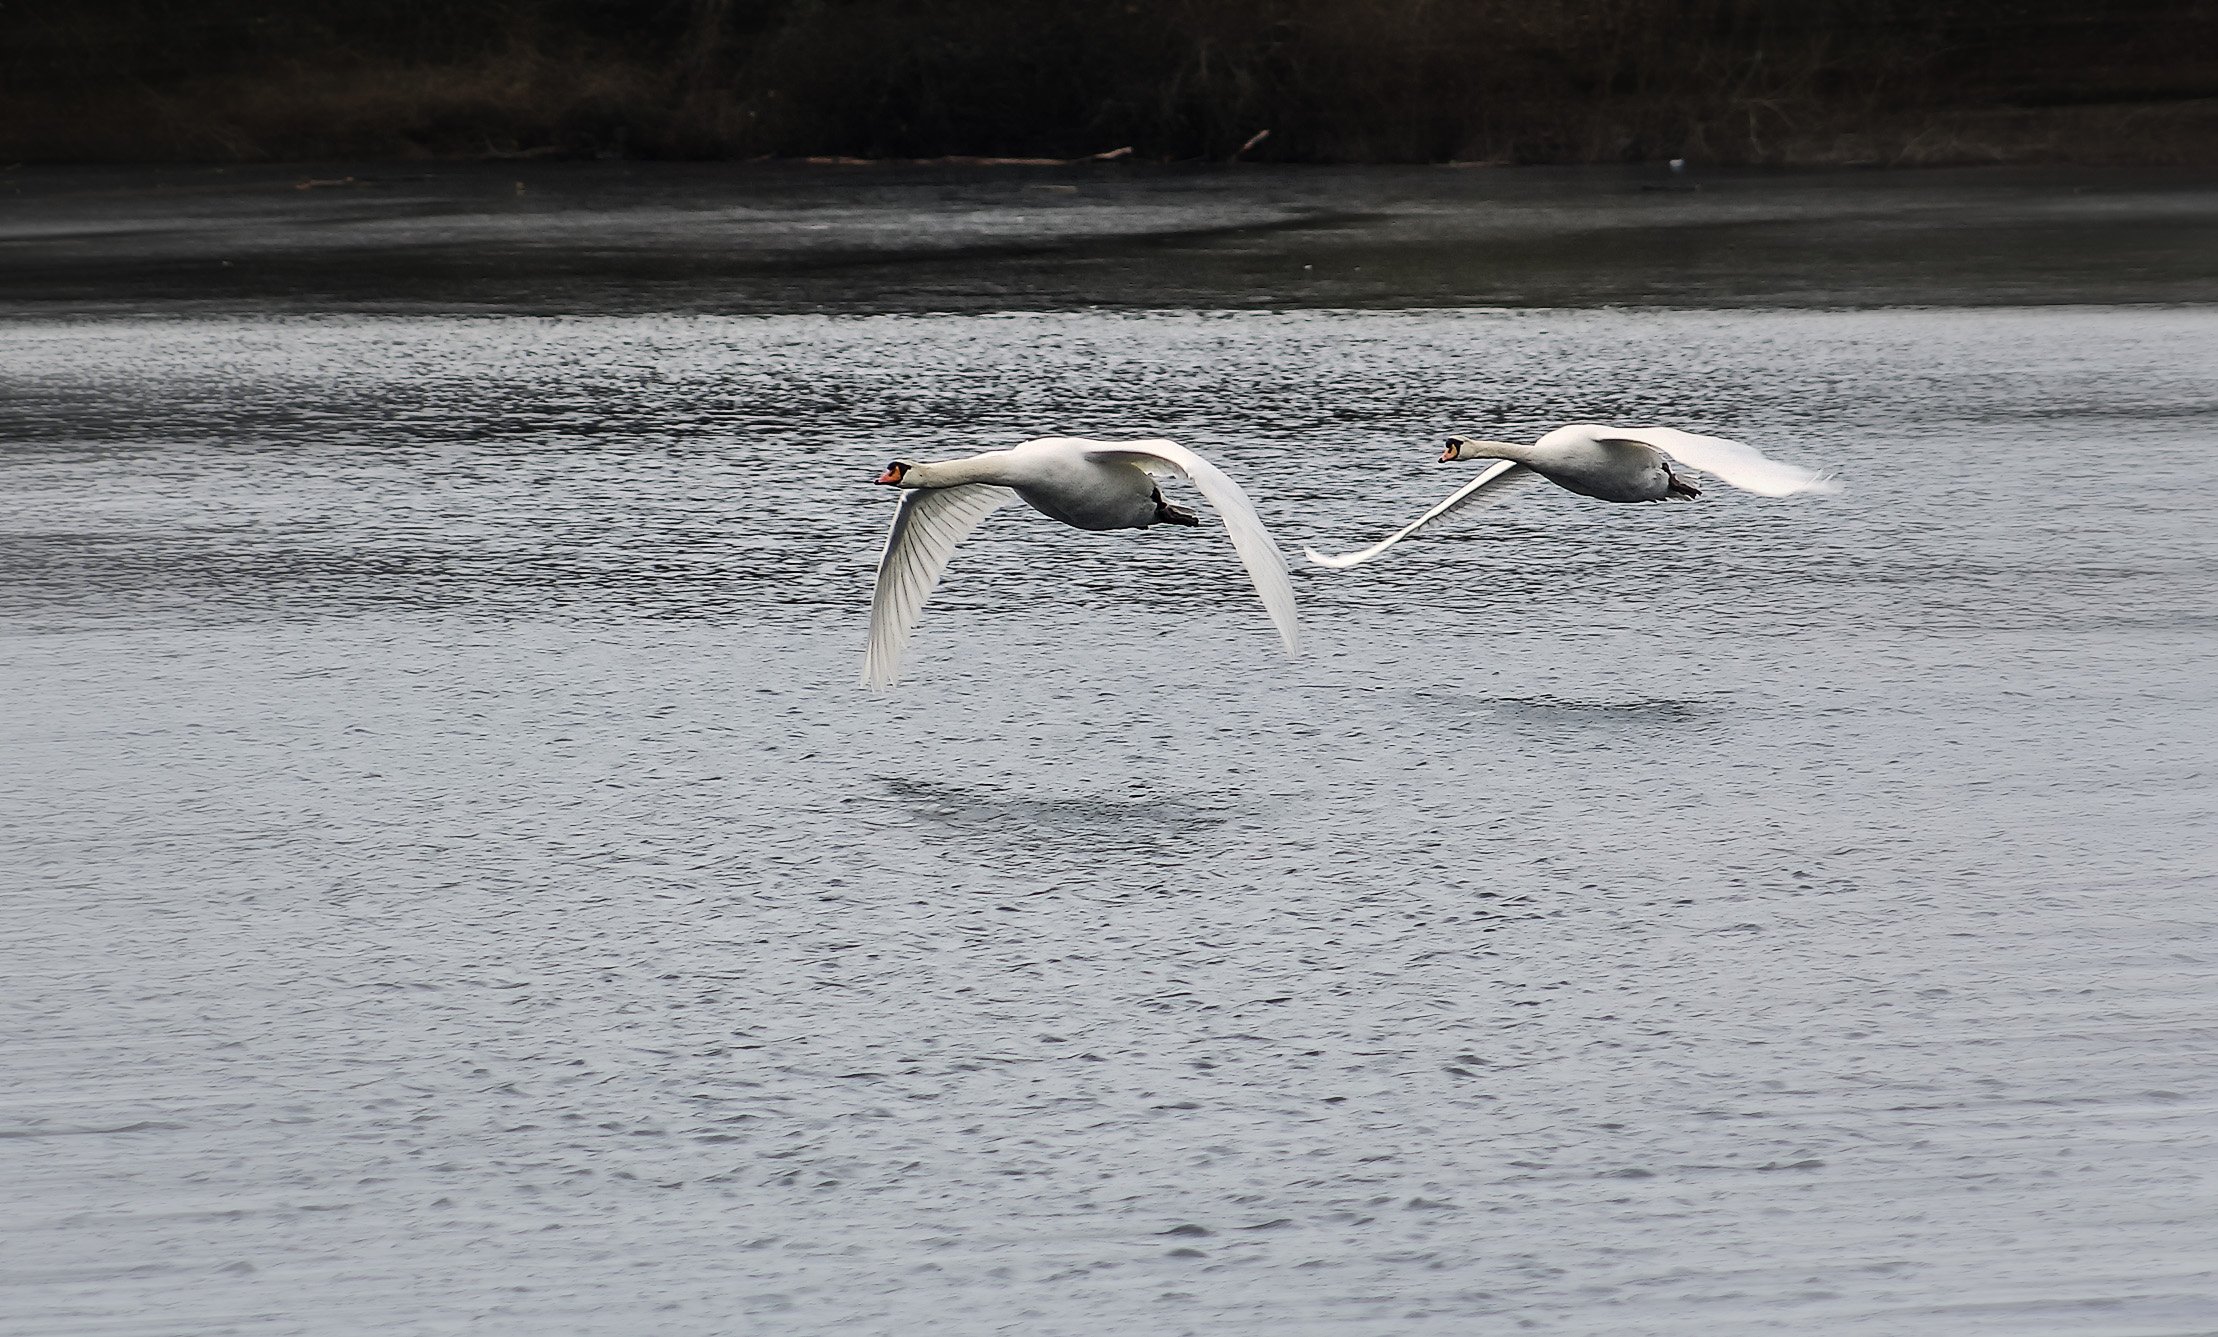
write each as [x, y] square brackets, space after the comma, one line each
[895, 472]
[1468, 448]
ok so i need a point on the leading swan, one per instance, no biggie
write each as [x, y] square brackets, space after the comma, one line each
[1606, 463]
[1085, 484]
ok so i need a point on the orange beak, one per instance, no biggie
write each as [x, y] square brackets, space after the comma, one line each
[1449, 453]
[891, 477]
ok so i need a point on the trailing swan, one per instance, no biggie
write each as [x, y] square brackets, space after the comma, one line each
[1607, 463]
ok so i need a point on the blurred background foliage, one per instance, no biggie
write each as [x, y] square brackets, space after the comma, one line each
[1732, 81]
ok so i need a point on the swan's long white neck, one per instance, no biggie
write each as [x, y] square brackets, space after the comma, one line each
[1494, 450]
[990, 467]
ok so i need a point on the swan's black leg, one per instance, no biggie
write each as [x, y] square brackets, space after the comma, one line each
[1167, 514]
[1679, 487]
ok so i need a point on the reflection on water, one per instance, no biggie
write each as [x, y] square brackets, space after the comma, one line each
[1544, 712]
[454, 882]
[985, 808]
[563, 238]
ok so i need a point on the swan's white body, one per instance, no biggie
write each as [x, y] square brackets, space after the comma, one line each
[1085, 484]
[1608, 463]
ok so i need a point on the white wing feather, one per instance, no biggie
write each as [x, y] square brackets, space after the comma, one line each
[1742, 466]
[926, 530]
[1495, 483]
[1266, 567]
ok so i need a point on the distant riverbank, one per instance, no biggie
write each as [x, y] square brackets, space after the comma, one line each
[1717, 82]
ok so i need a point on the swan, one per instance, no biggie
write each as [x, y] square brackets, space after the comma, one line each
[1606, 463]
[1085, 484]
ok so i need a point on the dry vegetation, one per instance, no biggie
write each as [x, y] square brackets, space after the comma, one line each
[1738, 81]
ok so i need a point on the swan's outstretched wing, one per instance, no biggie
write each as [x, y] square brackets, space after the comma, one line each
[1494, 483]
[1249, 538]
[925, 530]
[1742, 466]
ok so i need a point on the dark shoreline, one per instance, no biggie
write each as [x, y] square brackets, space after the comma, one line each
[1716, 82]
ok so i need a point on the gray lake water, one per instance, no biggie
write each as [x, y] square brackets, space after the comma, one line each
[453, 883]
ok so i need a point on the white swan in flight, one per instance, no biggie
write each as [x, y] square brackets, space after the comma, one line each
[1607, 463]
[1085, 484]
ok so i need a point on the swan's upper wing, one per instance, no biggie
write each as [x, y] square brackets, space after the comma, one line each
[925, 530]
[1495, 482]
[1742, 466]
[1249, 538]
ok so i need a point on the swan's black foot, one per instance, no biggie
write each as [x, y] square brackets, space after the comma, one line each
[1680, 487]
[1167, 514]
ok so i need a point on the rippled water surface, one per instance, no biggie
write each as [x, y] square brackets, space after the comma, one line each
[452, 881]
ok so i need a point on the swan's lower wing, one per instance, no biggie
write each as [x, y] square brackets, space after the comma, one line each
[1495, 482]
[1258, 552]
[1740, 465]
[926, 530]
